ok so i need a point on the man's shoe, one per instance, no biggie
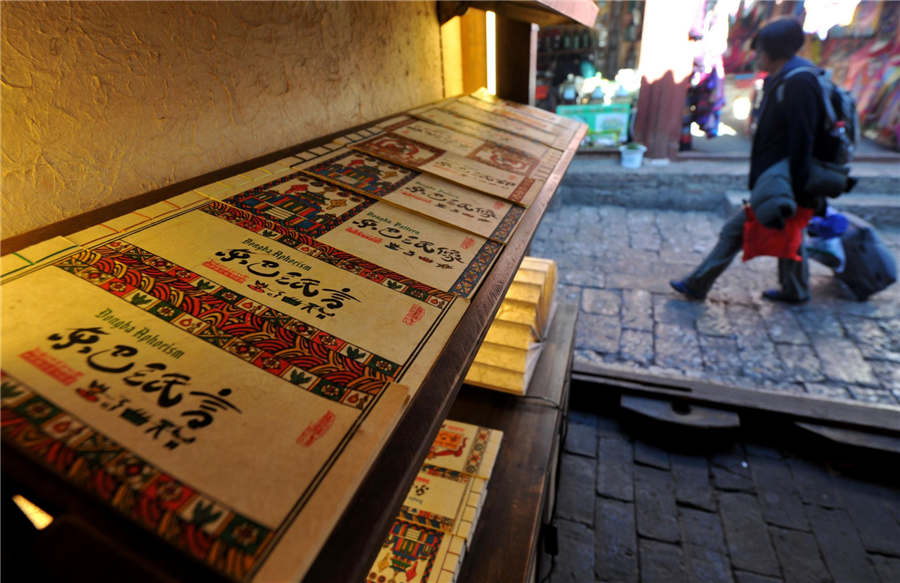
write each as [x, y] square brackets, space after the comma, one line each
[681, 287]
[774, 295]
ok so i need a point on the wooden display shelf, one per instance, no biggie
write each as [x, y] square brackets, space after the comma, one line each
[505, 541]
[353, 544]
[104, 542]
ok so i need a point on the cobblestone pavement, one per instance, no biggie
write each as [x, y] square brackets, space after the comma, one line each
[616, 262]
[631, 511]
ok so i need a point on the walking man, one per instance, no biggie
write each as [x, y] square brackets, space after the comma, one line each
[791, 117]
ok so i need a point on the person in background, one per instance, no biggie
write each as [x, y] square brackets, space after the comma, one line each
[786, 129]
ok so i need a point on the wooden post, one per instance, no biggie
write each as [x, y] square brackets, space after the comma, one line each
[516, 60]
[474, 51]
[665, 66]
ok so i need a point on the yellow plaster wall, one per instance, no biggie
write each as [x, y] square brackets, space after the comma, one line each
[102, 101]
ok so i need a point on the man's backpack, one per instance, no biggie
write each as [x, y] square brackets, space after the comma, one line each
[841, 119]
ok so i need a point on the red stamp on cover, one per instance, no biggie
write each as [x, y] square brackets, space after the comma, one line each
[414, 314]
[467, 242]
[51, 366]
[316, 430]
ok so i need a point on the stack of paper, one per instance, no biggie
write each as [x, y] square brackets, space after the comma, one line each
[434, 528]
[291, 310]
[513, 343]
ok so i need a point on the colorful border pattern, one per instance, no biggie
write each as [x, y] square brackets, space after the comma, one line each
[476, 269]
[272, 341]
[328, 254]
[197, 525]
[508, 224]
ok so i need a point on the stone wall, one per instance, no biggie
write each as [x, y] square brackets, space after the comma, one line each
[102, 101]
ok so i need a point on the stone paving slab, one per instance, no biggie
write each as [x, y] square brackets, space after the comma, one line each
[796, 520]
[617, 260]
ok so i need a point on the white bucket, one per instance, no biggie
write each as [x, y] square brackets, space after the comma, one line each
[632, 157]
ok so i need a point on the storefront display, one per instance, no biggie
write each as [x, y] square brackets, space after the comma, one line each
[174, 345]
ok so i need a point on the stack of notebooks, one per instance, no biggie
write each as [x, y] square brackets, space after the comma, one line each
[223, 366]
[513, 344]
[431, 534]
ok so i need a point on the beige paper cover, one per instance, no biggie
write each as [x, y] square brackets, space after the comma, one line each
[431, 196]
[470, 173]
[433, 253]
[198, 427]
[487, 152]
[494, 120]
[463, 447]
[355, 302]
[442, 117]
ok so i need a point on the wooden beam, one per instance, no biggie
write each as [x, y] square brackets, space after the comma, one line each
[877, 418]
[516, 60]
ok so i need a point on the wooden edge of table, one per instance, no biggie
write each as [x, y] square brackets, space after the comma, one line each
[354, 542]
[509, 528]
[867, 416]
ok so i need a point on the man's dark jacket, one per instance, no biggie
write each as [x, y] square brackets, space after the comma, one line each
[788, 127]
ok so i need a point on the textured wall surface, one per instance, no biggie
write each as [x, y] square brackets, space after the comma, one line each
[102, 101]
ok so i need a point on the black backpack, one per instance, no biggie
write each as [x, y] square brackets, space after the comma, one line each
[841, 119]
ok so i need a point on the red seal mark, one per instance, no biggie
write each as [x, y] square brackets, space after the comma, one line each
[316, 430]
[467, 242]
[499, 205]
[51, 366]
[414, 314]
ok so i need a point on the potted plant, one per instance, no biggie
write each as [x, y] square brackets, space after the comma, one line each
[632, 154]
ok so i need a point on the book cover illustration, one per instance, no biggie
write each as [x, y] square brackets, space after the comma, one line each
[497, 121]
[438, 498]
[428, 251]
[466, 448]
[487, 152]
[413, 553]
[460, 169]
[425, 194]
[155, 390]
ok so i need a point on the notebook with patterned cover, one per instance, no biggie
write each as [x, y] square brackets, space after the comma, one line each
[428, 195]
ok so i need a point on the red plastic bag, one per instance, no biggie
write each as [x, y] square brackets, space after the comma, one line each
[783, 243]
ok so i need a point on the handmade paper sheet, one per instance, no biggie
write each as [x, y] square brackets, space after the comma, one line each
[557, 125]
[425, 194]
[442, 117]
[436, 254]
[167, 397]
[495, 120]
[464, 447]
[487, 152]
[460, 169]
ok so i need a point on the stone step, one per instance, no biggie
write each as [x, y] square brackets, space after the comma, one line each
[699, 185]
